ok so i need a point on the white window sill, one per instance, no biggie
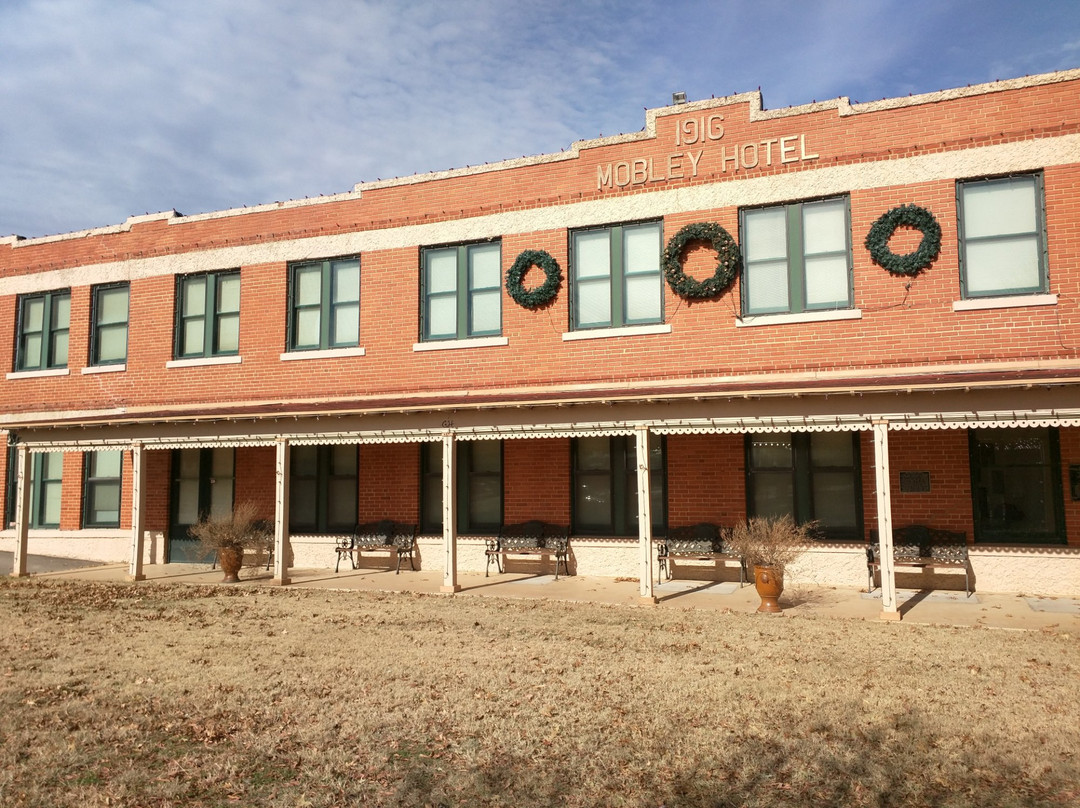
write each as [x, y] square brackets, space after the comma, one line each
[203, 361]
[120, 368]
[329, 353]
[472, 342]
[624, 331]
[38, 374]
[1010, 302]
[802, 317]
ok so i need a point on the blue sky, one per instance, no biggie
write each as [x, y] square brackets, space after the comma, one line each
[113, 108]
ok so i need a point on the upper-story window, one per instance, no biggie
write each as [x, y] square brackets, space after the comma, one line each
[109, 333]
[616, 278]
[44, 320]
[208, 315]
[797, 257]
[324, 305]
[1002, 247]
[462, 291]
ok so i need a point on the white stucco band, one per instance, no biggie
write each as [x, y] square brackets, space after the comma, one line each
[1004, 158]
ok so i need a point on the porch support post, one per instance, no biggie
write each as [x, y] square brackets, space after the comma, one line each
[281, 513]
[22, 510]
[889, 608]
[138, 513]
[449, 513]
[644, 498]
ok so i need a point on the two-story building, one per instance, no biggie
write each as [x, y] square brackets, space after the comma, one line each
[867, 315]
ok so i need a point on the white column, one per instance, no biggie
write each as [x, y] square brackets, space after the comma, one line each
[281, 513]
[644, 498]
[449, 513]
[138, 513]
[889, 608]
[22, 510]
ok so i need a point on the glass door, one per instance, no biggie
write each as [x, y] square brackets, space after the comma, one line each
[202, 484]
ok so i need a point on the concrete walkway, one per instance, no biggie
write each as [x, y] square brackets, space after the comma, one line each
[926, 606]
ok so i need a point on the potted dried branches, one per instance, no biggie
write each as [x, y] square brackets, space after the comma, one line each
[769, 544]
[234, 535]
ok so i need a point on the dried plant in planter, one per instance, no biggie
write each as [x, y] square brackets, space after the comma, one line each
[769, 544]
[237, 537]
[771, 541]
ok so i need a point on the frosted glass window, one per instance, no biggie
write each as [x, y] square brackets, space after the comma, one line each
[616, 277]
[462, 291]
[1002, 237]
[109, 338]
[325, 305]
[796, 258]
[209, 318]
[43, 330]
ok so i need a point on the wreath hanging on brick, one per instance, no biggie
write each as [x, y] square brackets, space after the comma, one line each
[542, 294]
[877, 240]
[728, 263]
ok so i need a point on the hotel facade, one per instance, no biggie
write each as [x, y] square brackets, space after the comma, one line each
[866, 315]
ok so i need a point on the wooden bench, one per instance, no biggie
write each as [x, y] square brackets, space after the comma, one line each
[530, 538]
[384, 536]
[923, 548]
[701, 542]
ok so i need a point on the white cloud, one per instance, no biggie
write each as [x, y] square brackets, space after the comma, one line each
[117, 108]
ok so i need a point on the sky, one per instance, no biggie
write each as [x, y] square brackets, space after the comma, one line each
[116, 108]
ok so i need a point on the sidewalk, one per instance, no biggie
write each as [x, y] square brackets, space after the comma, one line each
[927, 607]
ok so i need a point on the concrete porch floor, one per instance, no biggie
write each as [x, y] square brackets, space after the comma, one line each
[937, 607]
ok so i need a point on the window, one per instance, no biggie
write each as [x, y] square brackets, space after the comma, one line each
[109, 315]
[101, 489]
[1001, 237]
[462, 291]
[1016, 485]
[324, 305]
[604, 483]
[324, 488]
[46, 474]
[814, 476]
[43, 330]
[479, 486]
[616, 280]
[797, 258]
[207, 315]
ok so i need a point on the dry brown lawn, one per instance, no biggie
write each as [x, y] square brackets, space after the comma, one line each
[155, 695]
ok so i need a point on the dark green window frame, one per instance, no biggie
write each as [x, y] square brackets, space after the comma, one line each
[43, 326]
[797, 256]
[109, 330]
[616, 482]
[207, 315]
[1035, 236]
[474, 301]
[628, 288]
[480, 467]
[40, 488]
[333, 312]
[801, 473]
[1002, 481]
[101, 489]
[327, 486]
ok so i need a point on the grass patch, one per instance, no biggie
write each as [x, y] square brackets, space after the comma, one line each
[159, 695]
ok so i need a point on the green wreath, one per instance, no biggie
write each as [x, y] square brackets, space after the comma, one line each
[877, 240]
[729, 260]
[542, 294]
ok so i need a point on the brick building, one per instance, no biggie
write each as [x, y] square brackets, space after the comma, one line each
[359, 356]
